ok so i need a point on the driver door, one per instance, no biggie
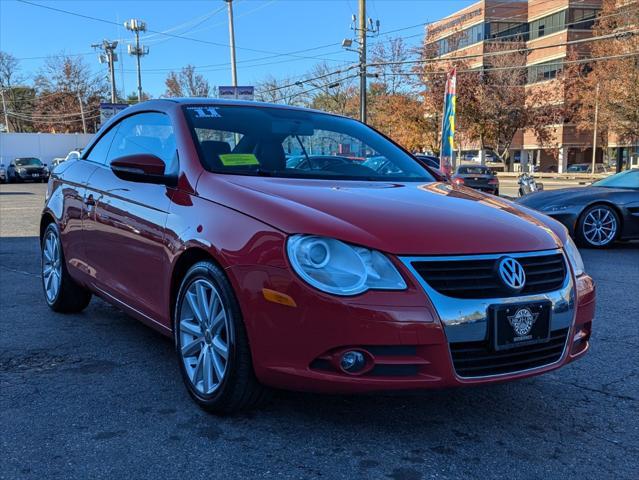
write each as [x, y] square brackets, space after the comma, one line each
[124, 230]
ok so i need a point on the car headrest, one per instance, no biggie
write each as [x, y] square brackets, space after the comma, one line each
[271, 156]
[212, 149]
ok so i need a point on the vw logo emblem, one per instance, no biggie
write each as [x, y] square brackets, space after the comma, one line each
[512, 273]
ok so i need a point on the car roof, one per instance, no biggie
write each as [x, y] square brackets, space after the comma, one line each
[227, 102]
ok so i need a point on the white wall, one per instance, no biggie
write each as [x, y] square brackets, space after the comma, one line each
[44, 146]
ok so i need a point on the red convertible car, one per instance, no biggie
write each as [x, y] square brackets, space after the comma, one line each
[317, 276]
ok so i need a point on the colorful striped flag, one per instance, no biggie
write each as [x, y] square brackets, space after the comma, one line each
[448, 124]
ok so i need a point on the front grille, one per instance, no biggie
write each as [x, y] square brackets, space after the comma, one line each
[478, 278]
[478, 359]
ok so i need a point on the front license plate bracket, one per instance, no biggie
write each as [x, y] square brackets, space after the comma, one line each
[519, 324]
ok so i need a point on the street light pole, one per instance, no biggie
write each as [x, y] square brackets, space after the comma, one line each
[362, 60]
[111, 57]
[229, 4]
[84, 123]
[4, 108]
[594, 135]
[111, 60]
[137, 26]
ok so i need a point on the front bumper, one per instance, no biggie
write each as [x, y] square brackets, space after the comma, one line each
[407, 334]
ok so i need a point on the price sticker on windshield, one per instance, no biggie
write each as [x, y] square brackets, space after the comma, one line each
[238, 159]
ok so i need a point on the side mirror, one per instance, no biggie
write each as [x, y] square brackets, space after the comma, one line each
[143, 168]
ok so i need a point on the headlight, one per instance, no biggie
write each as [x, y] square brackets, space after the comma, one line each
[574, 257]
[336, 267]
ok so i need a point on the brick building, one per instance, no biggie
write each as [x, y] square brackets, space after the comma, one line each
[539, 23]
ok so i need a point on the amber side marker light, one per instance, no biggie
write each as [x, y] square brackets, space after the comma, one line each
[278, 297]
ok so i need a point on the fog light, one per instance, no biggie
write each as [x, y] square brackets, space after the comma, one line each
[352, 361]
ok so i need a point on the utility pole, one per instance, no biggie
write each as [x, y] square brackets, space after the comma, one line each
[362, 28]
[362, 60]
[594, 135]
[229, 4]
[109, 57]
[138, 51]
[4, 109]
[84, 123]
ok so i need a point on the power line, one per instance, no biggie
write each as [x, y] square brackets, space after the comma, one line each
[521, 50]
[434, 60]
[167, 34]
[327, 84]
[517, 67]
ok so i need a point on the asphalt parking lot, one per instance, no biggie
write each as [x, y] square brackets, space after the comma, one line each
[98, 395]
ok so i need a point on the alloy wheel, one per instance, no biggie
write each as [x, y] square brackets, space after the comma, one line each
[600, 226]
[51, 266]
[204, 336]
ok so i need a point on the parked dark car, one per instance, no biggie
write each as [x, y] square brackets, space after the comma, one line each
[316, 162]
[477, 177]
[586, 168]
[25, 169]
[595, 215]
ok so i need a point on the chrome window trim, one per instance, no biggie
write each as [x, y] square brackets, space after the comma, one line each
[466, 320]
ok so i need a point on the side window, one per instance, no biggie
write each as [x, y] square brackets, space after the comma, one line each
[150, 133]
[100, 150]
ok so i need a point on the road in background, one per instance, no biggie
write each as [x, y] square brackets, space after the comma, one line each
[99, 395]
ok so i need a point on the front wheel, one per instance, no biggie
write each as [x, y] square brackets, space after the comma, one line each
[212, 345]
[61, 292]
[598, 227]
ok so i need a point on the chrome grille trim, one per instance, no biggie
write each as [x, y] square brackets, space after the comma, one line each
[466, 320]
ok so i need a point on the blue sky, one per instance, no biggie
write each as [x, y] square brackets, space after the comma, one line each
[263, 28]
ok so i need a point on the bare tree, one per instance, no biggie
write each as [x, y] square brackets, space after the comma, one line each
[497, 104]
[389, 64]
[61, 84]
[187, 83]
[284, 91]
[19, 99]
[331, 90]
[616, 73]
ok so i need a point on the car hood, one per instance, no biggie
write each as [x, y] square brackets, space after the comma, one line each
[399, 218]
[565, 196]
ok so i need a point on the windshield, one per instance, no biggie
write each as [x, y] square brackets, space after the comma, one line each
[627, 179]
[282, 142]
[31, 162]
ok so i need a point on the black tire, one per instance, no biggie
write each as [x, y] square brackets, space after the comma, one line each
[582, 238]
[239, 388]
[496, 193]
[71, 297]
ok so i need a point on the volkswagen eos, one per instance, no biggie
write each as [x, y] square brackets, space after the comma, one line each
[318, 276]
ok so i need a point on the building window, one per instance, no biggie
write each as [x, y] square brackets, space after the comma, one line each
[582, 18]
[462, 39]
[547, 25]
[544, 71]
[509, 31]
